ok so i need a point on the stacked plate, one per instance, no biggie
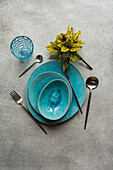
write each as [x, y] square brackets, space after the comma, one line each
[48, 93]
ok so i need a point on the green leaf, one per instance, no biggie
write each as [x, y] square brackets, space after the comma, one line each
[65, 64]
[80, 42]
[75, 47]
[73, 56]
[57, 37]
[58, 41]
[54, 44]
[77, 35]
[59, 45]
[78, 56]
[64, 49]
[59, 57]
[69, 42]
[52, 49]
[72, 31]
[49, 53]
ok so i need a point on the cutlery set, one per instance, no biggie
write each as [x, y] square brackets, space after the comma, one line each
[57, 90]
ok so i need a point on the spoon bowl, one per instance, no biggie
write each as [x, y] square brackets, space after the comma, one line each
[92, 83]
[38, 59]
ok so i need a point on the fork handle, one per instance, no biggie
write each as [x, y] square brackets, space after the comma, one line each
[34, 119]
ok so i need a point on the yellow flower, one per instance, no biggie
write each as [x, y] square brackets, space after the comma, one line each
[68, 42]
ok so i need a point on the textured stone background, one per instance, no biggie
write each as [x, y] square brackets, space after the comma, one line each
[23, 146]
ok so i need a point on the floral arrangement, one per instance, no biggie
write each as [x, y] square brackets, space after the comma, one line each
[67, 43]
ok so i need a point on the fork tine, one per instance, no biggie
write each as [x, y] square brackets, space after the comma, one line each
[15, 96]
[12, 94]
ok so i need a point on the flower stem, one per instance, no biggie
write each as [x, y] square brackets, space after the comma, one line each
[87, 64]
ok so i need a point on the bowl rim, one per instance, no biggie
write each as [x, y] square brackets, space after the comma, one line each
[29, 53]
[49, 73]
[69, 100]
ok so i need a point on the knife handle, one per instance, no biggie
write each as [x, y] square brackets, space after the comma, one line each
[67, 75]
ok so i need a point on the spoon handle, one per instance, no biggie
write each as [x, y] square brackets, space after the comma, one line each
[27, 69]
[87, 111]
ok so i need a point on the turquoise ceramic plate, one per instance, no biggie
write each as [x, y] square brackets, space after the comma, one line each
[77, 82]
[40, 82]
[54, 100]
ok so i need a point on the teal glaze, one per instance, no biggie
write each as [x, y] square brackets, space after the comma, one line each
[54, 101]
[76, 80]
[40, 82]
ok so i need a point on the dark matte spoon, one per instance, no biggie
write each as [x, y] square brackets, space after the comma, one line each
[91, 83]
[38, 59]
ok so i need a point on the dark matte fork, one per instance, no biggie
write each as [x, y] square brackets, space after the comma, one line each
[19, 101]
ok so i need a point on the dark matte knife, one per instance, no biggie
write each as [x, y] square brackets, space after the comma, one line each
[67, 75]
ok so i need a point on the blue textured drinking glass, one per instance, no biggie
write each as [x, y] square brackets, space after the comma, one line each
[22, 47]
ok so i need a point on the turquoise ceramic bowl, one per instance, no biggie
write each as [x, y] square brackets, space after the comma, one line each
[54, 100]
[39, 83]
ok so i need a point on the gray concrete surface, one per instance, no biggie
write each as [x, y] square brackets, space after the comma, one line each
[23, 146]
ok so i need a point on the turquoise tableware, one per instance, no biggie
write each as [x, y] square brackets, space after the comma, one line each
[76, 80]
[40, 82]
[54, 101]
[22, 47]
